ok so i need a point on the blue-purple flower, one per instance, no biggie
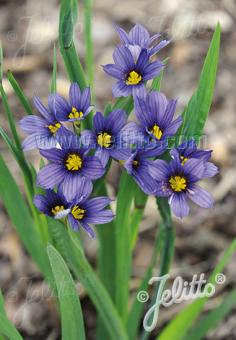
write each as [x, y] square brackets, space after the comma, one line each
[85, 211]
[131, 73]
[68, 167]
[188, 149]
[137, 164]
[178, 182]
[76, 108]
[53, 204]
[44, 131]
[155, 115]
[138, 38]
[105, 136]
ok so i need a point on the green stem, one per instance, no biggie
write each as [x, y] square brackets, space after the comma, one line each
[89, 41]
[167, 250]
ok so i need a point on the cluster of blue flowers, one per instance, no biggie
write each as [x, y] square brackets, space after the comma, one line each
[77, 158]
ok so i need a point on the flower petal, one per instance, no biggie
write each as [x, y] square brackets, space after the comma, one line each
[92, 168]
[42, 109]
[120, 89]
[50, 175]
[31, 124]
[200, 196]
[114, 71]
[179, 205]
[159, 170]
[75, 95]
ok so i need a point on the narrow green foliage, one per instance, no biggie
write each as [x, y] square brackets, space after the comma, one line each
[196, 112]
[123, 254]
[181, 324]
[54, 71]
[19, 93]
[89, 41]
[1, 62]
[74, 256]
[72, 324]
[10, 118]
[213, 318]
[21, 219]
[7, 329]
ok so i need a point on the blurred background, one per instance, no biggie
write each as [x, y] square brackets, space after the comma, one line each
[28, 31]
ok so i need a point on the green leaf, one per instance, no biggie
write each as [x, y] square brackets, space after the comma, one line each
[89, 41]
[72, 323]
[21, 219]
[181, 324]
[54, 71]
[10, 118]
[196, 112]
[137, 307]
[20, 94]
[7, 329]
[213, 318]
[156, 83]
[1, 62]
[68, 16]
[74, 256]
[123, 252]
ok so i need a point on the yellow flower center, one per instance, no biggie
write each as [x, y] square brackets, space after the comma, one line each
[75, 114]
[135, 163]
[104, 140]
[133, 78]
[183, 160]
[157, 132]
[57, 209]
[178, 183]
[53, 128]
[78, 213]
[74, 162]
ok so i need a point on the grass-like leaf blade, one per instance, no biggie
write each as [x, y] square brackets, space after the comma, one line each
[72, 323]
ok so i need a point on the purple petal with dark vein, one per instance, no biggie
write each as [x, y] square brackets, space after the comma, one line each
[122, 35]
[121, 154]
[54, 155]
[159, 170]
[62, 108]
[120, 89]
[41, 203]
[146, 117]
[100, 217]
[152, 70]
[85, 99]
[153, 38]
[169, 113]
[200, 196]
[99, 122]
[73, 222]
[74, 95]
[50, 175]
[88, 138]
[84, 191]
[116, 120]
[135, 50]
[132, 133]
[114, 71]
[103, 155]
[143, 60]
[194, 168]
[178, 204]
[87, 228]
[31, 124]
[37, 141]
[42, 109]
[97, 203]
[145, 181]
[173, 127]
[210, 170]
[138, 89]
[92, 168]
[139, 35]
[157, 102]
[158, 47]
[123, 58]
[203, 154]
[52, 105]
[74, 185]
